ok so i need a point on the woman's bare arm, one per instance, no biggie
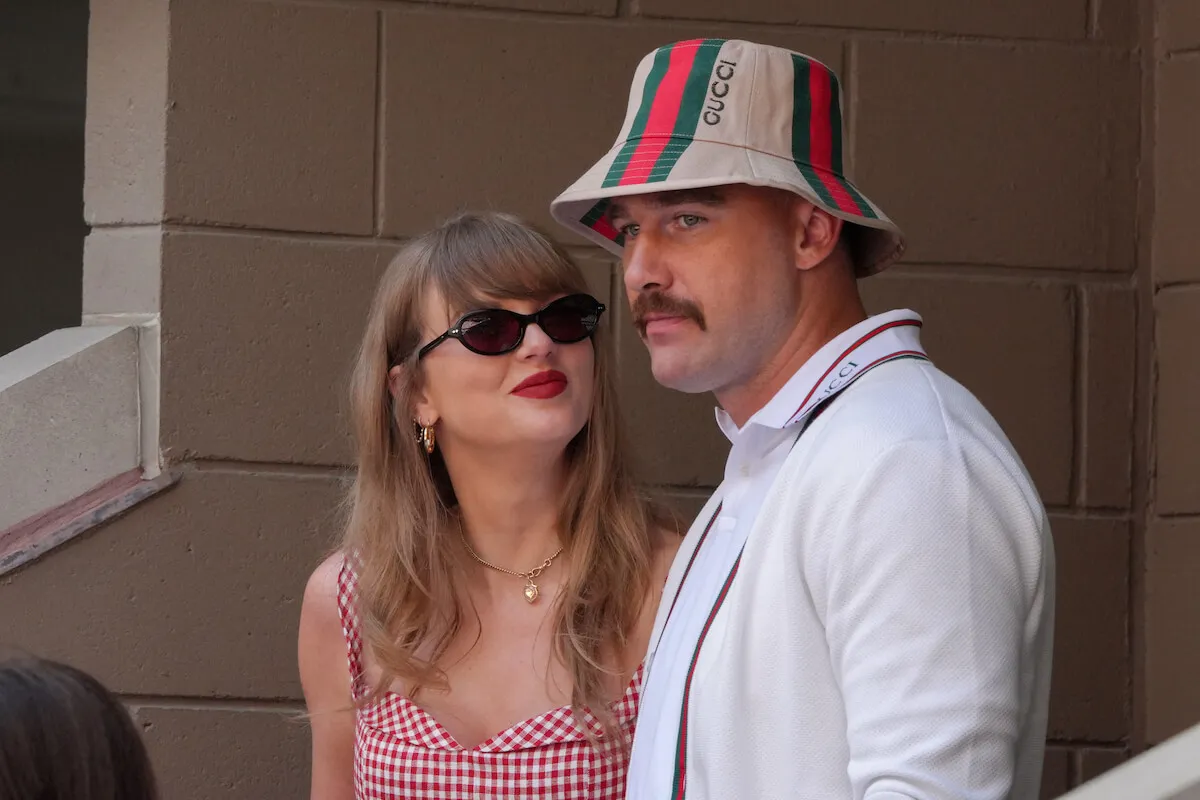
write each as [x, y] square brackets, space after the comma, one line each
[325, 677]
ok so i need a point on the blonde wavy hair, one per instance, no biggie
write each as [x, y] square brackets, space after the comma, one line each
[401, 505]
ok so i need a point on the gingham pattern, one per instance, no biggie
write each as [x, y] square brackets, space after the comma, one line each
[709, 112]
[401, 751]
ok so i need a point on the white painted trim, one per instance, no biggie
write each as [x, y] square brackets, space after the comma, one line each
[1169, 771]
[69, 417]
[149, 328]
[23, 363]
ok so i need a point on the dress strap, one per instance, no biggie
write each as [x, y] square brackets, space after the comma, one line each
[347, 600]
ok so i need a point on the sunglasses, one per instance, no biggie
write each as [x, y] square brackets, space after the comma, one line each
[496, 331]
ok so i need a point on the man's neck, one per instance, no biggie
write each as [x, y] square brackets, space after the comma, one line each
[816, 325]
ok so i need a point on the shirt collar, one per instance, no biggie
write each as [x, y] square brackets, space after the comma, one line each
[831, 367]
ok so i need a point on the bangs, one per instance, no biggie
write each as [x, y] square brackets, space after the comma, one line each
[477, 260]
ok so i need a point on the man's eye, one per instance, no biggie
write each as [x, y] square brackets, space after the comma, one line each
[630, 230]
[689, 220]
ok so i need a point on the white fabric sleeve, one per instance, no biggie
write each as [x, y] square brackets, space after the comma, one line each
[926, 588]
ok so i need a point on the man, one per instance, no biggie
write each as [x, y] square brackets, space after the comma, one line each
[864, 608]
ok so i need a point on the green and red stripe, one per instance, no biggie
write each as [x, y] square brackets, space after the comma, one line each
[817, 137]
[692, 560]
[679, 785]
[866, 337]
[597, 219]
[666, 120]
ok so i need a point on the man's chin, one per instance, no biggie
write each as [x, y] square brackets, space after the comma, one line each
[676, 374]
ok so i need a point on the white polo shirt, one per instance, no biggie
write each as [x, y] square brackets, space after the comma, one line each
[721, 591]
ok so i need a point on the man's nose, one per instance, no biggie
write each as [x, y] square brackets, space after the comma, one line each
[644, 267]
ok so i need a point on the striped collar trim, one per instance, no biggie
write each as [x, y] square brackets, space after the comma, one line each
[894, 334]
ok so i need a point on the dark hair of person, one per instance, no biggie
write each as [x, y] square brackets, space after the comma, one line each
[64, 736]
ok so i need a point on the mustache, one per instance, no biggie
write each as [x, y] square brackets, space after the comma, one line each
[659, 303]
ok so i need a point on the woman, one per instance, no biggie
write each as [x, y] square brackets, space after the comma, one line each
[63, 736]
[499, 572]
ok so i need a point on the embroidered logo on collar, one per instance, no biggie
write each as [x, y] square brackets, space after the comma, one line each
[878, 346]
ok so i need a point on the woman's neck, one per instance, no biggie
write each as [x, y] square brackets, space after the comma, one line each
[509, 506]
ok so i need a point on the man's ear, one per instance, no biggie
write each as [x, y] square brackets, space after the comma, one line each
[817, 233]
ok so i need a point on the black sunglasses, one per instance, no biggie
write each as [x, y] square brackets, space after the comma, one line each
[496, 331]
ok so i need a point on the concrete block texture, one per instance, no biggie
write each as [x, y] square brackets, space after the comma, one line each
[1109, 363]
[1025, 18]
[513, 135]
[1177, 172]
[68, 417]
[195, 593]
[1117, 22]
[125, 151]
[1012, 155]
[1089, 693]
[1094, 762]
[1011, 343]
[122, 270]
[606, 8]
[228, 753]
[1172, 608]
[259, 337]
[1056, 772]
[1178, 25]
[271, 121]
[1177, 427]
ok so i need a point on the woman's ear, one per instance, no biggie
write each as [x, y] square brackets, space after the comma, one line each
[396, 379]
[402, 384]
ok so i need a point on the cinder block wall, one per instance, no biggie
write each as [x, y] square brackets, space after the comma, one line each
[1172, 596]
[249, 182]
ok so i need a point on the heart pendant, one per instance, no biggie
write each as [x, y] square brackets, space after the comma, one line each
[531, 592]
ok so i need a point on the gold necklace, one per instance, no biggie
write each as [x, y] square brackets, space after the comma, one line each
[531, 588]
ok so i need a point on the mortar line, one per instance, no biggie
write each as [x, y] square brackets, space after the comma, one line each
[377, 193]
[432, 7]
[269, 468]
[1079, 470]
[184, 702]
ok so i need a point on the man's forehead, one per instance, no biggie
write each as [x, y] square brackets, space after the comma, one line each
[709, 196]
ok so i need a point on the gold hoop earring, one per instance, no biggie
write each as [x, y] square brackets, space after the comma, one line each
[427, 439]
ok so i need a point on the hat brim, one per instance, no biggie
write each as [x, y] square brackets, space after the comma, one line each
[697, 164]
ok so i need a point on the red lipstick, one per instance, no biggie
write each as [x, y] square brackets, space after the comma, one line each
[542, 385]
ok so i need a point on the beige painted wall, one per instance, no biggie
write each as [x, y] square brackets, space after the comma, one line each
[249, 182]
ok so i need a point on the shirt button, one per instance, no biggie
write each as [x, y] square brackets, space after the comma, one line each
[745, 471]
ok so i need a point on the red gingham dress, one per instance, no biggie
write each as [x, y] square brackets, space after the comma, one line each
[401, 751]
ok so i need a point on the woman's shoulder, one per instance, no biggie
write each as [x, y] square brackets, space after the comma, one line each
[323, 582]
[321, 594]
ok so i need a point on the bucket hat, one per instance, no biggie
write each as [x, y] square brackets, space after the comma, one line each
[713, 112]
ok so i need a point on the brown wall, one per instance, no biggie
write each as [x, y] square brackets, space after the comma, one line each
[1172, 610]
[43, 51]
[257, 189]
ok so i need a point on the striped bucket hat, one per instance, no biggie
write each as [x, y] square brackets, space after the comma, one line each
[710, 112]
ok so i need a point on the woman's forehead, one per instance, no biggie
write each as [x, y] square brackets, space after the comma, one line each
[525, 301]
[439, 312]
